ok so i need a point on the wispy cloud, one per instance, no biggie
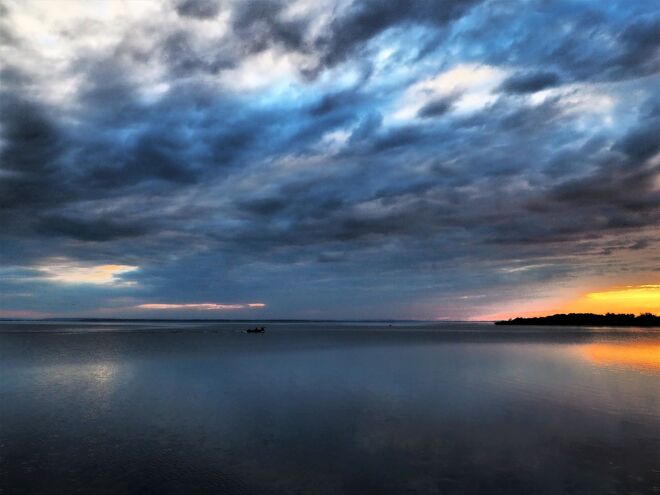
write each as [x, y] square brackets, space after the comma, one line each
[201, 306]
[72, 273]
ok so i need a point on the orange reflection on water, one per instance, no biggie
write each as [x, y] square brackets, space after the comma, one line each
[639, 355]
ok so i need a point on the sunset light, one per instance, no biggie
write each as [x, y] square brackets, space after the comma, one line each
[630, 299]
[644, 356]
[330, 246]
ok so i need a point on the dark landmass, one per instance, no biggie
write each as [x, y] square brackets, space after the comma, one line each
[588, 320]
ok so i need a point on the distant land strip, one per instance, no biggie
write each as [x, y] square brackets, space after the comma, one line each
[588, 320]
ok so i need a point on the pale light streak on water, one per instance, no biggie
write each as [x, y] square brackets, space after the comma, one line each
[328, 408]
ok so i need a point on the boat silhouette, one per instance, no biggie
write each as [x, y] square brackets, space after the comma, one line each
[256, 330]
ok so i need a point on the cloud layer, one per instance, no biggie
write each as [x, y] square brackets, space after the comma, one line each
[332, 159]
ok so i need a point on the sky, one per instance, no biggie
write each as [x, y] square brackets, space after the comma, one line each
[331, 159]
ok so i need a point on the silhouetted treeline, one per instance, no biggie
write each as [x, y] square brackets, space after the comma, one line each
[588, 319]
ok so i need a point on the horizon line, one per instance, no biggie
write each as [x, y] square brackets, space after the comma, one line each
[368, 320]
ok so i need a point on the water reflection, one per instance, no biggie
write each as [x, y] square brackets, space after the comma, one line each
[97, 377]
[638, 355]
[103, 374]
[318, 410]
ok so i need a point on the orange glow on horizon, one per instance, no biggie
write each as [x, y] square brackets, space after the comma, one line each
[630, 299]
[642, 356]
[522, 309]
[635, 299]
[505, 315]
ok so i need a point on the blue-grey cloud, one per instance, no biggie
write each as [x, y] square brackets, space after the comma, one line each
[199, 9]
[436, 107]
[362, 160]
[530, 82]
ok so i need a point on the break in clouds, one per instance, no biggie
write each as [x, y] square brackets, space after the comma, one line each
[326, 159]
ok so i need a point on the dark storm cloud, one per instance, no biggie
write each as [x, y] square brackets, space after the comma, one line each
[642, 142]
[530, 82]
[297, 181]
[363, 21]
[153, 156]
[198, 9]
[94, 229]
[259, 23]
[626, 188]
[640, 46]
[184, 59]
[436, 107]
[33, 141]
[332, 102]
[31, 154]
[401, 137]
[579, 41]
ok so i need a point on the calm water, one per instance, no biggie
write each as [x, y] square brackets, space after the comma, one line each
[328, 408]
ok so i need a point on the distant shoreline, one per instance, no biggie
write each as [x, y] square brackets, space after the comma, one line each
[588, 320]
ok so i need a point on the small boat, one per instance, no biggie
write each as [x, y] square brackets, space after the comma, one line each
[256, 330]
